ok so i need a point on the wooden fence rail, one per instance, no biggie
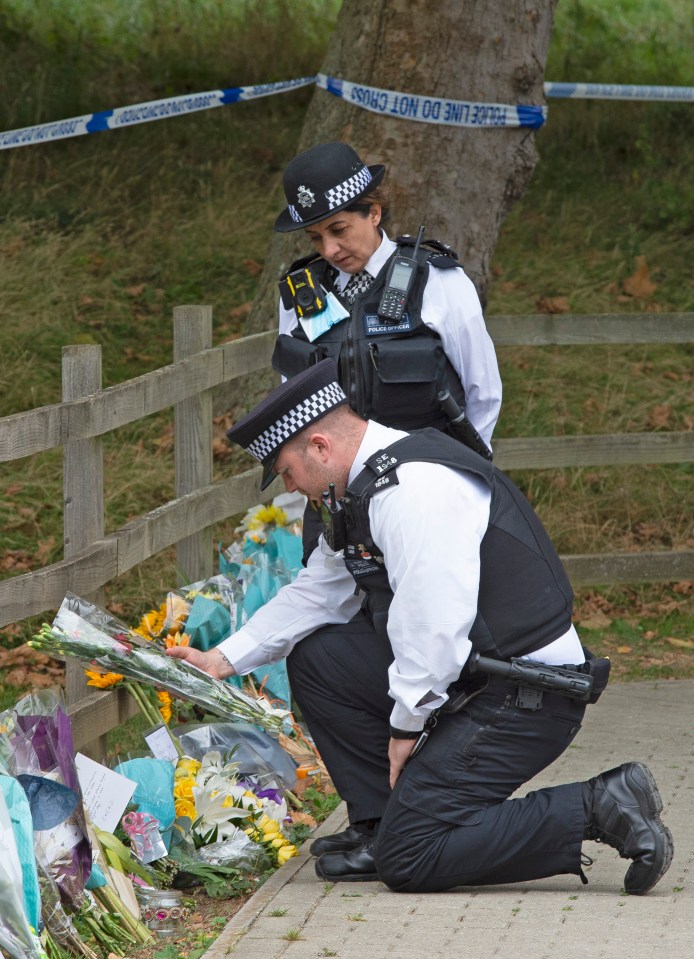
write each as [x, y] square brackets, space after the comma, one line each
[87, 412]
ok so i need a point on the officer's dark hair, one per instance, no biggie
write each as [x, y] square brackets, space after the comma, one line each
[380, 195]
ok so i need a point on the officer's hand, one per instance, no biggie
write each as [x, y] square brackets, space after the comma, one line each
[211, 662]
[398, 753]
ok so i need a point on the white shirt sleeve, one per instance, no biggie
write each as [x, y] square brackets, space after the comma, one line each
[452, 309]
[431, 548]
[322, 593]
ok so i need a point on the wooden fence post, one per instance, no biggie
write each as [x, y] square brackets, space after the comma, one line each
[193, 440]
[83, 495]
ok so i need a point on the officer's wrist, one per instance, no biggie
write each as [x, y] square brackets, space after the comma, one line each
[404, 733]
[226, 667]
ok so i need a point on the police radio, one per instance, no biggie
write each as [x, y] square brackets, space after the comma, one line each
[401, 274]
[334, 520]
[307, 297]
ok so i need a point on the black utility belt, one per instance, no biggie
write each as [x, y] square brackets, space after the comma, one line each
[583, 683]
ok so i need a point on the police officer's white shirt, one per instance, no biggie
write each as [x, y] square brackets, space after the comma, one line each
[429, 527]
[452, 309]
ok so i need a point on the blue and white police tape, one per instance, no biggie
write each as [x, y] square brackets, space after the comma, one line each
[457, 113]
[143, 113]
[618, 91]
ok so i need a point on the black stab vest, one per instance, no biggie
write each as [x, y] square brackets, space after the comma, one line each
[390, 373]
[525, 599]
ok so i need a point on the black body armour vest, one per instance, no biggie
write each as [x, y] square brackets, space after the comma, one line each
[525, 598]
[391, 372]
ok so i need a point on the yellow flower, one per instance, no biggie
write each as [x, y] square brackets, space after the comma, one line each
[102, 680]
[165, 705]
[183, 788]
[185, 807]
[285, 853]
[152, 623]
[267, 516]
[186, 766]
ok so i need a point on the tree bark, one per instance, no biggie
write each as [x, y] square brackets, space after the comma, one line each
[459, 182]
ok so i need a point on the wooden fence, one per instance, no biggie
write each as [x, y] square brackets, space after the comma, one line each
[87, 412]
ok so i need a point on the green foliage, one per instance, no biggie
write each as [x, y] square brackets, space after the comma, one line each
[72, 57]
[320, 804]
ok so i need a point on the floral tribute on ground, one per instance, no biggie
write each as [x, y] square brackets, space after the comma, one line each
[220, 803]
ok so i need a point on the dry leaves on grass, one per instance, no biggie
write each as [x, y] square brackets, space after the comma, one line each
[24, 668]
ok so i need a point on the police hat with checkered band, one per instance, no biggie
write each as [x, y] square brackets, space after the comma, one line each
[291, 408]
[322, 181]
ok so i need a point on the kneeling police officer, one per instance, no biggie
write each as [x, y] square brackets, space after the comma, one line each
[452, 569]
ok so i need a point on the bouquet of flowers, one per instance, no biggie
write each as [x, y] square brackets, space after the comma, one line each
[200, 614]
[223, 808]
[266, 557]
[85, 632]
[17, 938]
[40, 752]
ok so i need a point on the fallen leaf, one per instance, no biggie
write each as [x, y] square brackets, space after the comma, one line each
[44, 550]
[639, 285]
[303, 818]
[253, 267]
[595, 620]
[553, 304]
[684, 643]
[660, 416]
[137, 290]
[624, 649]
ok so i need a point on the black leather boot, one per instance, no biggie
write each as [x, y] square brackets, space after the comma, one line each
[625, 814]
[357, 865]
[351, 838]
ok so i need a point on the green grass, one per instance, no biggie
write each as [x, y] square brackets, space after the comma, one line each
[102, 236]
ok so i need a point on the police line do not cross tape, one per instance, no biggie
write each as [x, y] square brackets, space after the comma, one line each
[458, 113]
[144, 113]
[406, 106]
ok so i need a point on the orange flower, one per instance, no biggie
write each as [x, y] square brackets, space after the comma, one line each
[177, 639]
[102, 680]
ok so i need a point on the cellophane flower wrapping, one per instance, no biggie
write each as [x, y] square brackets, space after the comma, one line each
[42, 745]
[83, 631]
[17, 939]
[267, 557]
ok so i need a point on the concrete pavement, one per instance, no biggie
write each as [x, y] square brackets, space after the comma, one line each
[297, 916]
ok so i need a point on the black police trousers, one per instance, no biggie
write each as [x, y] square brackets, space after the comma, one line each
[449, 821]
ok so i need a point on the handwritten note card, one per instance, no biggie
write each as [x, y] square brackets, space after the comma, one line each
[106, 793]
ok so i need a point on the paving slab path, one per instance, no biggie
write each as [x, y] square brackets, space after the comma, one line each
[295, 915]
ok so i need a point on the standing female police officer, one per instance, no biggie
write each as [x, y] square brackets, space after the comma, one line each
[391, 369]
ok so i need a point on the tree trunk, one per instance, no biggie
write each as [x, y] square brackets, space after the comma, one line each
[459, 182]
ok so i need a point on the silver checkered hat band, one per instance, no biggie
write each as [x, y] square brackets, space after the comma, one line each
[294, 213]
[348, 189]
[297, 419]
